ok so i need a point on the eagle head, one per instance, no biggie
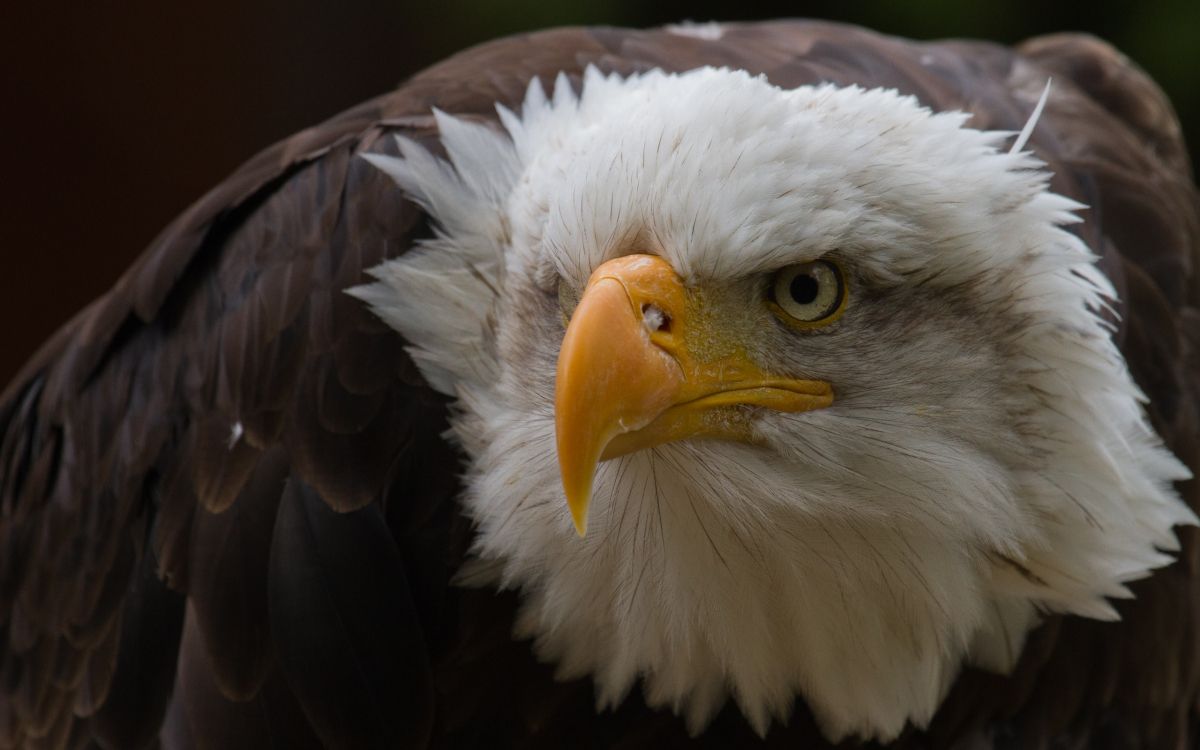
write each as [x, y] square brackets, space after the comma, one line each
[819, 371]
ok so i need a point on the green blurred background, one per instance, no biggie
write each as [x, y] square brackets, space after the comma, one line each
[115, 117]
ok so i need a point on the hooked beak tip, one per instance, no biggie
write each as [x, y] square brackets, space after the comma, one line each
[580, 520]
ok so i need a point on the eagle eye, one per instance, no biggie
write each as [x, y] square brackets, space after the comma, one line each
[809, 295]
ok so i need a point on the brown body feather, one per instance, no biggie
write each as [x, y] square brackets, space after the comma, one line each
[163, 582]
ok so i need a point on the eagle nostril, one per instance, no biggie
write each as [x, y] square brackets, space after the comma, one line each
[655, 318]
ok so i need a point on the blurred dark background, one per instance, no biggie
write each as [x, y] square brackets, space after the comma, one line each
[114, 117]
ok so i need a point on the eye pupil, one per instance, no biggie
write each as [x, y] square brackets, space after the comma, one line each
[804, 289]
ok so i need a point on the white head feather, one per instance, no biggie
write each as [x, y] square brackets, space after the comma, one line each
[986, 457]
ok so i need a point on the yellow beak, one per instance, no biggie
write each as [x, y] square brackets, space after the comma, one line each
[639, 367]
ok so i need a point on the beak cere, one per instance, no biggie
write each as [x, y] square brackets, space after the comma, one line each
[638, 368]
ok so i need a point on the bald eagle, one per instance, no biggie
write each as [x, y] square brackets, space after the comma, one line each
[625, 388]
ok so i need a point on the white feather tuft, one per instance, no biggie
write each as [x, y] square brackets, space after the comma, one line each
[1031, 123]
[710, 31]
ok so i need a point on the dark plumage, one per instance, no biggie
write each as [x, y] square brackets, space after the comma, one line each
[292, 587]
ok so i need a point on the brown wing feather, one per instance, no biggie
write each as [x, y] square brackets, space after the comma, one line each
[191, 436]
